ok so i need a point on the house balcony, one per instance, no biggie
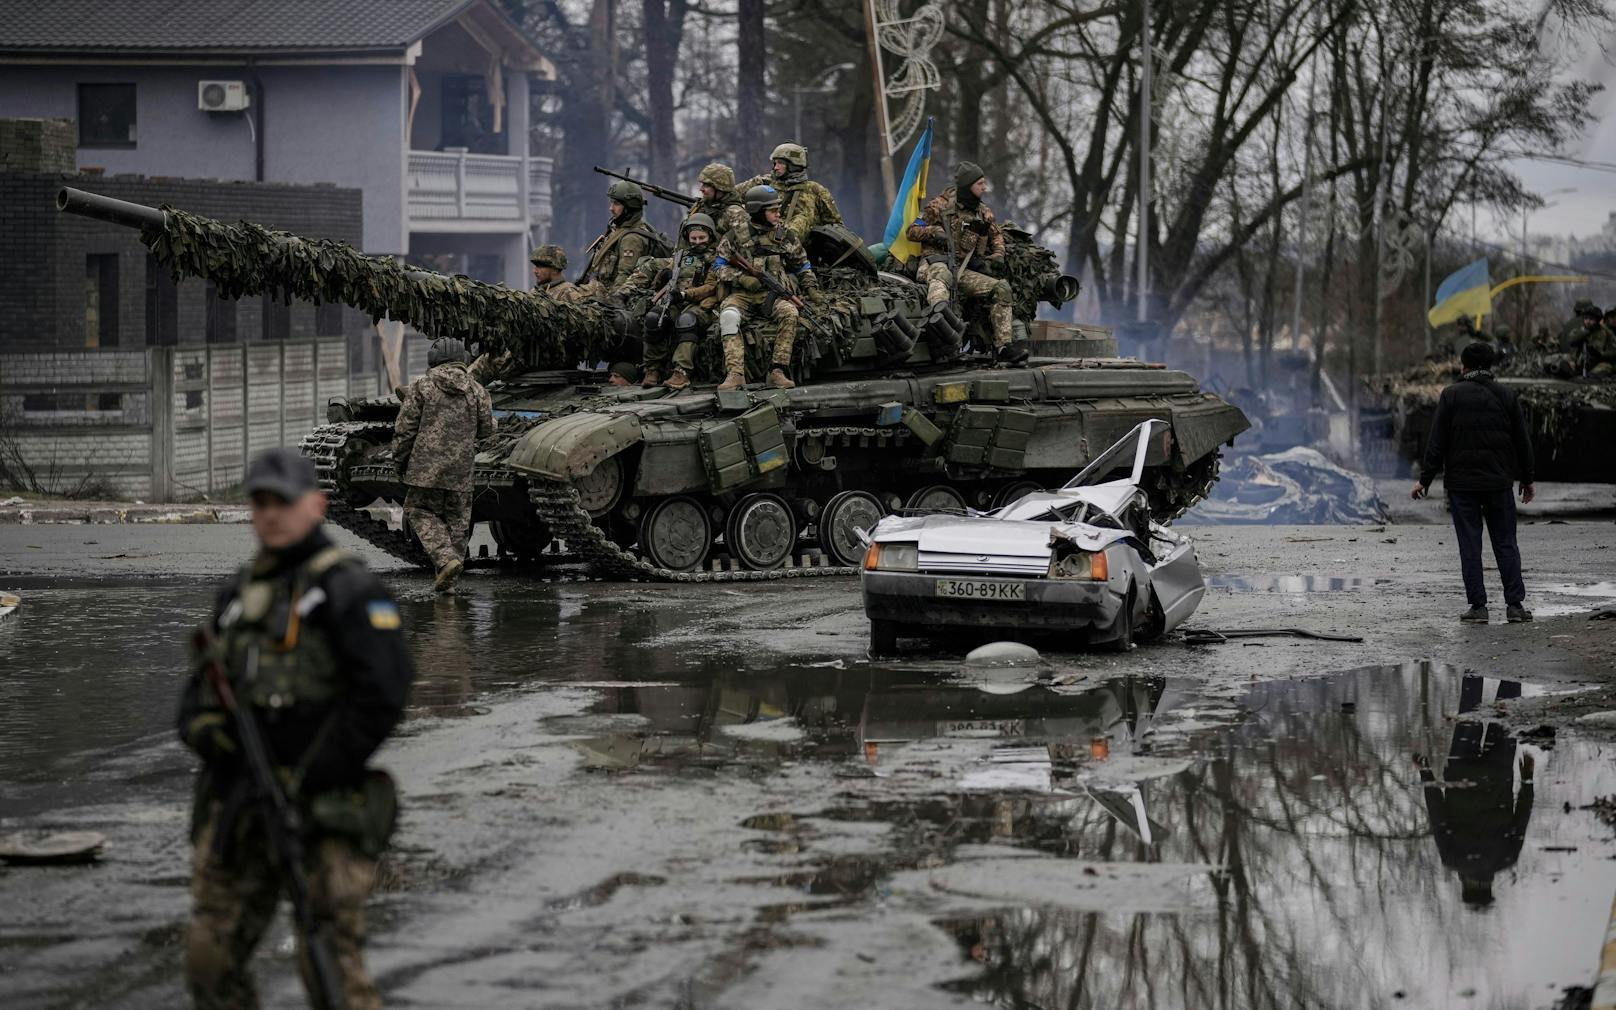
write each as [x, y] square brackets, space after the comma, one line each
[453, 191]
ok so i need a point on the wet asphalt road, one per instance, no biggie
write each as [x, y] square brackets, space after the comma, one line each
[688, 796]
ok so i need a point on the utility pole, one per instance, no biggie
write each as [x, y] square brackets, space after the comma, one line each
[882, 123]
[1143, 283]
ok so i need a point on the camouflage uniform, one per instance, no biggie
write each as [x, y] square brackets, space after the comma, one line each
[805, 203]
[1599, 350]
[332, 678]
[977, 239]
[728, 211]
[674, 328]
[777, 252]
[445, 412]
[491, 366]
[613, 255]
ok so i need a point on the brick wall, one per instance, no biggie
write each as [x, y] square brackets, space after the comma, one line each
[42, 254]
[37, 145]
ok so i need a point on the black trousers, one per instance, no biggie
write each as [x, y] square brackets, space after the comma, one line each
[1497, 509]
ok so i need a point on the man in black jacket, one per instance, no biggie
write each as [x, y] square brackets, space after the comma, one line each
[311, 642]
[1479, 437]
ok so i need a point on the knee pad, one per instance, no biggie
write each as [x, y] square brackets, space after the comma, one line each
[729, 321]
[1001, 292]
[686, 323]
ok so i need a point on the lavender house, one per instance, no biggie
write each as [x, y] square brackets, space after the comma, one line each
[420, 104]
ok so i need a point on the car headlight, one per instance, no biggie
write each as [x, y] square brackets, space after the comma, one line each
[1080, 565]
[893, 557]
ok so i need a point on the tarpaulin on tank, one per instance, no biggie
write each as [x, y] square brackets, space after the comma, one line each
[573, 446]
[832, 245]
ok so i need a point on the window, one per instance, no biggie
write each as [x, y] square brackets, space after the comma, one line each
[101, 300]
[106, 115]
[221, 318]
[277, 318]
[162, 305]
[328, 319]
[468, 116]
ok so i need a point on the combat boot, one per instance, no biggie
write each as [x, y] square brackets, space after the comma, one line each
[1516, 613]
[448, 575]
[779, 379]
[1475, 615]
[680, 379]
[1011, 354]
[734, 380]
[652, 378]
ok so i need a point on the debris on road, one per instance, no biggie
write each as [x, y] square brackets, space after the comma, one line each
[39, 848]
[1299, 485]
[1207, 636]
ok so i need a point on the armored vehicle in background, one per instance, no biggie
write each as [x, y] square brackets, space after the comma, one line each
[643, 483]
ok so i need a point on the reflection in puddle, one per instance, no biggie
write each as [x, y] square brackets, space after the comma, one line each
[1384, 812]
[1292, 583]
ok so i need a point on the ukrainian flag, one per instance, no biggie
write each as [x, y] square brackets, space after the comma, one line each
[1466, 292]
[911, 195]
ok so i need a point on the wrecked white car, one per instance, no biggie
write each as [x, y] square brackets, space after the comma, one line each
[1085, 560]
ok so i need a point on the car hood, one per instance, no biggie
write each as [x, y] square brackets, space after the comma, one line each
[975, 535]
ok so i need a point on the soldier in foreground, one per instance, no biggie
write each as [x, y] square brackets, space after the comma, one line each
[806, 203]
[306, 645]
[612, 256]
[719, 200]
[445, 412]
[963, 247]
[683, 306]
[766, 247]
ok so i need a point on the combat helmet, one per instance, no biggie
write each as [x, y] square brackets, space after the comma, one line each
[719, 176]
[698, 220]
[549, 256]
[445, 349]
[760, 199]
[794, 155]
[627, 193]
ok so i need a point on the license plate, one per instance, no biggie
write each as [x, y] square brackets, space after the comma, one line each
[983, 727]
[975, 589]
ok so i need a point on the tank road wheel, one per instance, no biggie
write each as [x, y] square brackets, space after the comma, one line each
[844, 515]
[935, 498]
[600, 488]
[675, 534]
[524, 541]
[1013, 492]
[761, 531]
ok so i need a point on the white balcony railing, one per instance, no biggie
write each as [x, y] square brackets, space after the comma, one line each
[445, 187]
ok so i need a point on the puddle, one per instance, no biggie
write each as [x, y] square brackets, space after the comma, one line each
[1116, 847]
[1292, 583]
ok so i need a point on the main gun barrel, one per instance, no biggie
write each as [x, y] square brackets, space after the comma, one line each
[106, 208]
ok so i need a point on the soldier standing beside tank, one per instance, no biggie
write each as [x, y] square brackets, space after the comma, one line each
[768, 247]
[443, 415]
[719, 200]
[686, 309]
[958, 226]
[309, 641]
[612, 256]
[806, 203]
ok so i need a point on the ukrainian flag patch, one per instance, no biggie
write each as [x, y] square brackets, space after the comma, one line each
[383, 615]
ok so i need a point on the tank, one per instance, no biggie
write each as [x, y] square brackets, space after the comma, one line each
[1572, 421]
[889, 412]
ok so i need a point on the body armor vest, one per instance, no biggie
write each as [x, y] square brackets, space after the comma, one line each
[296, 664]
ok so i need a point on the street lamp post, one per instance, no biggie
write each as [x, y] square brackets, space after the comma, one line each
[813, 87]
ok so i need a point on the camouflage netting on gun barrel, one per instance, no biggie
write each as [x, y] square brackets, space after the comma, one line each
[249, 259]
[1028, 267]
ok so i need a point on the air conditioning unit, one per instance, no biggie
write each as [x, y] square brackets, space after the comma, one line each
[221, 96]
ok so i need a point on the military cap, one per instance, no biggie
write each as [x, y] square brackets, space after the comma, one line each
[719, 176]
[699, 220]
[283, 472]
[1011, 228]
[966, 174]
[629, 372]
[1592, 311]
[549, 256]
[1581, 305]
[445, 349]
[794, 155]
[626, 193]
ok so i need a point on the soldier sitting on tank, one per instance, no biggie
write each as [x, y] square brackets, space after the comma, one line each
[548, 263]
[1599, 352]
[957, 225]
[768, 247]
[682, 306]
[719, 200]
[613, 255]
[805, 203]
[445, 412]
[1572, 359]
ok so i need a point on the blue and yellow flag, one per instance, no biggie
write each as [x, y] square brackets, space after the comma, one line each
[911, 197]
[1468, 291]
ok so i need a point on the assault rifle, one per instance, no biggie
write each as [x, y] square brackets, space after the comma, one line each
[672, 196]
[779, 290]
[282, 822]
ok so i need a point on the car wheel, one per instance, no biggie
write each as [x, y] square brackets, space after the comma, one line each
[1124, 640]
[883, 637]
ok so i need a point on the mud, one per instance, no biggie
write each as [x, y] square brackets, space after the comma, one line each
[696, 797]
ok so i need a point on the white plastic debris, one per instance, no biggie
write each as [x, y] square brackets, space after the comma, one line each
[13, 500]
[1003, 654]
[8, 603]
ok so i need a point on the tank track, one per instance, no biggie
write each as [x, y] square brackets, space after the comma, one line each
[557, 505]
[1177, 494]
[321, 445]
